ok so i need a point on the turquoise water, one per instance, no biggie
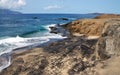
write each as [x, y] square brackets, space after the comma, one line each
[22, 30]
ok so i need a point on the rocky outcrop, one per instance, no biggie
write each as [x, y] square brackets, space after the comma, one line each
[109, 43]
[89, 27]
[66, 19]
[107, 29]
[58, 29]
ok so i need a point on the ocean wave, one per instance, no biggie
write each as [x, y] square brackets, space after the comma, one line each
[50, 25]
[8, 44]
[42, 29]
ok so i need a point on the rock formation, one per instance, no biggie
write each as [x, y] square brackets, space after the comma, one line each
[89, 27]
[58, 29]
[66, 19]
[109, 42]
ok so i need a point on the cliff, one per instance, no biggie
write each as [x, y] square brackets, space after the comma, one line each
[76, 55]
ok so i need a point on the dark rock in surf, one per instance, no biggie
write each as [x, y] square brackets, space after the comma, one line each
[35, 17]
[58, 29]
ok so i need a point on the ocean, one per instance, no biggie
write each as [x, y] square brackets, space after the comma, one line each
[29, 30]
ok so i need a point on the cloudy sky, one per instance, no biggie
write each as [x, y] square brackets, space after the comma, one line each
[62, 6]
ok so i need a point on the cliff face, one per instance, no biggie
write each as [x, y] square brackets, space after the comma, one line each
[109, 42]
[79, 55]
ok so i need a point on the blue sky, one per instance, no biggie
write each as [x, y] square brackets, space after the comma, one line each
[69, 6]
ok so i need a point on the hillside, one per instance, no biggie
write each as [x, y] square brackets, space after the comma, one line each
[7, 11]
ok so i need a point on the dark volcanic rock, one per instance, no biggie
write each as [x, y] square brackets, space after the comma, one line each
[62, 19]
[35, 17]
[58, 29]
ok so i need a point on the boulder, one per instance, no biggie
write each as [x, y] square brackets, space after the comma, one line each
[109, 42]
[63, 19]
[58, 29]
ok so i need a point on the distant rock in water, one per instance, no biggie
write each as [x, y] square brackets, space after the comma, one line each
[35, 17]
[7, 11]
[62, 19]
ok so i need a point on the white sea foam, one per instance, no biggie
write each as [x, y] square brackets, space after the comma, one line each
[51, 25]
[8, 44]
[4, 62]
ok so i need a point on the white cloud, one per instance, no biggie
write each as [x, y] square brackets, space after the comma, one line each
[12, 4]
[51, 7]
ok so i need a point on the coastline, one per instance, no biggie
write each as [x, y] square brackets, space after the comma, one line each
[83, 55]
[51, 52]
[5, 58]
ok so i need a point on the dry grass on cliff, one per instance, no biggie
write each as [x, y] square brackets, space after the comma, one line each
[89, 27]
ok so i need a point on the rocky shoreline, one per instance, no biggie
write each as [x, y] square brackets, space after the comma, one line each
[93, 48]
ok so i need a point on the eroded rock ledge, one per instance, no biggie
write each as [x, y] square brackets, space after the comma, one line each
[77, 55]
